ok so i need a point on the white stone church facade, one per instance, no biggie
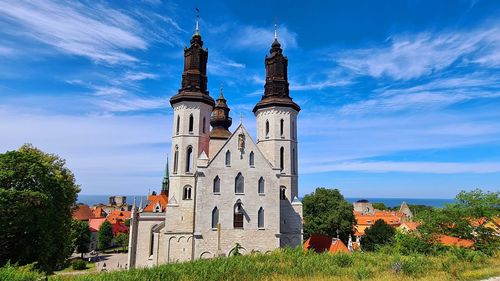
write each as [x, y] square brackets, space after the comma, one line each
[224, 188]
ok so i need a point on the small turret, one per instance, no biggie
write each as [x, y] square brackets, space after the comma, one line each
[220, 119]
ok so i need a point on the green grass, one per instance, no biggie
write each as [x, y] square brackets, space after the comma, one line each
[296, 264]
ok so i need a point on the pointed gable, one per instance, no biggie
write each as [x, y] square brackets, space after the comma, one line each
[233, 146]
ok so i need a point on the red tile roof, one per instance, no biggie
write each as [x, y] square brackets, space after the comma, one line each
[321, 243]
[411, 226]
[118, 216]
[83, 213]
[119, 228]
[98, 212]
[95, 224]
[455, 241]
[153, 200]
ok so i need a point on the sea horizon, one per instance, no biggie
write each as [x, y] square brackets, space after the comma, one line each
[92, 199]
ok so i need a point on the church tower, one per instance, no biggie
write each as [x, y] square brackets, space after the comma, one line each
[220, 122]
[276, 115]
[191, 133]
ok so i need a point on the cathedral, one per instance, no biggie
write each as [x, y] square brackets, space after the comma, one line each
[225, 191]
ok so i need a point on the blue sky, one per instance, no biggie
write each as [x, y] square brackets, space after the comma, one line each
[399, 98]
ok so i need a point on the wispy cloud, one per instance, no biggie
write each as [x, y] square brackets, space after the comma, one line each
[411, 56]
[438, 93]
[260, 37]
[92, 30]
[407, 167]
[5, 51]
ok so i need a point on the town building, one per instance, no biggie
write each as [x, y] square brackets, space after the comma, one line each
[224, 188]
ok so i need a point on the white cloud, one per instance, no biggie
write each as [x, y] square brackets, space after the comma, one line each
[259, 37]
[138, 76]
[413, 56]
[407, 167]
[93, 31]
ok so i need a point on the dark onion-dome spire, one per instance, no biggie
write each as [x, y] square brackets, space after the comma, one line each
[194, 76]
[276, 89]
[220, 120]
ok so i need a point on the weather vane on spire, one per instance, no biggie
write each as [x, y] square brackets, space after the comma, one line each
[197, 19]
[275, 28]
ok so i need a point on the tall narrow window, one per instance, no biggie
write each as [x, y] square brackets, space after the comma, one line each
[251, 159]
[191, 123]
[217, 184]
[178, 126]
[282, 193]
[261, 185]
[215, 217]
[267, 128]
[260, 218]
[292, 131]
[282, 158]
[228, 158]
[189, 159]
[186, 194]
[239, 184]
[294, 170]
[204, 124]
[282, 124]
[176, 159]
[238, 215]
[152, 240]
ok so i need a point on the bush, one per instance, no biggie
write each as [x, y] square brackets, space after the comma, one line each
[343, 260]
[20, 273]
[79, 265]
[363, 273]
[414, 265]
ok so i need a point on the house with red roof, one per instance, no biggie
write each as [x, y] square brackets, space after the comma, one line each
[83, 212]
[322, 243]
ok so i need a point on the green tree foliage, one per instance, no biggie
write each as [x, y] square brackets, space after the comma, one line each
[466, 219]
[379, 234]
[37, 193]
[122, 240]
[81, 236]
[325, 212]
[380, 206]
[105, 235]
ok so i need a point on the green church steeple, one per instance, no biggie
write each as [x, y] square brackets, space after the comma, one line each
[166, 181]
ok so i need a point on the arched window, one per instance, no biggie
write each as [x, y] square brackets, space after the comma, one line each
[251, 160]
[261, 185]
[217, 184]
[228, 158]
[186, 194]
[176, 159]
[204, 124]
[239, 184]
[238, 215]
[267, 128]
[294, 170]
[282, 125]
[260, 218]
[282, 158]
[178, 125]
[282, 192]
[215, 217]
[189, 159]
[191, 123]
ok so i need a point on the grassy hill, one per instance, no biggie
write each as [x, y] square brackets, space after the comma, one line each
[298, 265]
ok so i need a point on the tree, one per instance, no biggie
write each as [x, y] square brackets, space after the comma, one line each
[81, 237]
[380, 233]
[105, 235]
[122, 240]
[379, 206]
[37, 194]
[326, 212]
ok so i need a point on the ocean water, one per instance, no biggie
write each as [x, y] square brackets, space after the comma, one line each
[389, 202]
